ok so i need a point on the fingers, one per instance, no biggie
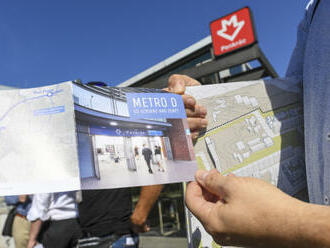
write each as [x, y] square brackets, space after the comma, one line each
[189, 102]
[191, 106]
[195, 113]
[208, 196]
[193, 197]
[213, 182]
[177, 83]
[194, 135]
[196, 202]
[197, 124]
[141, 228]
[198, 111]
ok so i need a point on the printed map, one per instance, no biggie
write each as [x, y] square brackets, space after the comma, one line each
[38, 150]
[255, 130]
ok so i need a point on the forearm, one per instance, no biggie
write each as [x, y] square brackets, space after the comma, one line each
[148, 196]
[315, 226]
[299, 225]
[35, 229]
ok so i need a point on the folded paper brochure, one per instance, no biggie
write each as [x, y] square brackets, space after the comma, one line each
[71, 136]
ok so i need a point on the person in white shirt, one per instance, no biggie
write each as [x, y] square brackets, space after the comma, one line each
[60, 211]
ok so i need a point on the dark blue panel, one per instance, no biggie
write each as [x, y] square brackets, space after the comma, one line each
[85, 153]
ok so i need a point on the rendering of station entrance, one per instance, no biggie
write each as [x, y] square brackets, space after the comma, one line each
[112, 146]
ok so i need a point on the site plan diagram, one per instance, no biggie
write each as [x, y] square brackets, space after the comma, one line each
[38, 149]
[255, 130]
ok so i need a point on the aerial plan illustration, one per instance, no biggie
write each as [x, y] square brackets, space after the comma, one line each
[255, 130]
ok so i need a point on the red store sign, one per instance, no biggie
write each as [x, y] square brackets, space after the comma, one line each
[232, 32]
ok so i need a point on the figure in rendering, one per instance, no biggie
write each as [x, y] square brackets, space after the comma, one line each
[147, 154]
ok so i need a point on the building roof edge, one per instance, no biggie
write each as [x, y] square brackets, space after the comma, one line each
[174, 58]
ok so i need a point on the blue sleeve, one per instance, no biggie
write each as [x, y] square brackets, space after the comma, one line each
[11, 200]
[296, 64]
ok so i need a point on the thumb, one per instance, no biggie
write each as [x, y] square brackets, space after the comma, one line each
[213, 182]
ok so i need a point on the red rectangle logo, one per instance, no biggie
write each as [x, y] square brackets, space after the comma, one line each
[232, 32]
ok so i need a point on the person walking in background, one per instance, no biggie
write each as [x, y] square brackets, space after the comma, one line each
[21, 226]
[60, 211]
[136, 152]
[147, 153]
[158, 158]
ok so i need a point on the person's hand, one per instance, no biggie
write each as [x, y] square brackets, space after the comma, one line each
[32, 243]
[138, 220]
[244, 211]
[196, 114]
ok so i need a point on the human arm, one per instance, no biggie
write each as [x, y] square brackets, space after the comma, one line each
[12, 200]
[34, 232]
[148, 196]
[196, 114]
[37, 214]
[296, 64]
[39, 207]
[252, 213]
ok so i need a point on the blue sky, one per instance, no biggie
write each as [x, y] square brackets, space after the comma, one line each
[44, 42]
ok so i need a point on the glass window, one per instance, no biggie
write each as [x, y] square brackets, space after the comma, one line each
[122, 108]
[236, 70]
[101, 103]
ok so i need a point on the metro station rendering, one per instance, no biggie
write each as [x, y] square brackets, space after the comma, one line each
[111, 143]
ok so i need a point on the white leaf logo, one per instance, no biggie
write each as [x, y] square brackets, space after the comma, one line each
[232, 22]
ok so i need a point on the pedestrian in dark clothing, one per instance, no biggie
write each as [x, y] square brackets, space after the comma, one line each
[147, 153]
